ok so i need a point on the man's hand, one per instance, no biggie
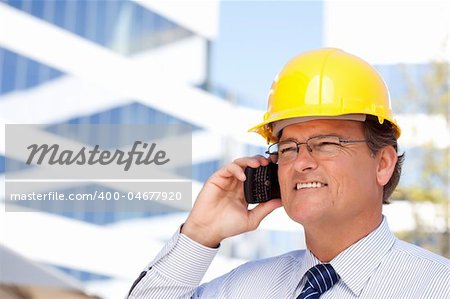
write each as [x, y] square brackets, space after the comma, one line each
[221, 211]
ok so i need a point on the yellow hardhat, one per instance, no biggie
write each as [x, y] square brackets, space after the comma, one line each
[325, 83]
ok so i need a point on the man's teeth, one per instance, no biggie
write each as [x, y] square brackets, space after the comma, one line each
[310, 185]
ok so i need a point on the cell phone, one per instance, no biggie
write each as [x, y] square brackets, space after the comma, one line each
[261, 184]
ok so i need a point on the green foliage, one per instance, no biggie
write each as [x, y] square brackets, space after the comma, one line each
[419, 194]
[434, 183]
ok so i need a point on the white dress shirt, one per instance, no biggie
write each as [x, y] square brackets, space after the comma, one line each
[377, 266]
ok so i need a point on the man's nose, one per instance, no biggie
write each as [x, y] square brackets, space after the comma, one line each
[305, 159]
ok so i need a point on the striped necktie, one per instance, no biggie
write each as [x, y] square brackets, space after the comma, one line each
[320, 279]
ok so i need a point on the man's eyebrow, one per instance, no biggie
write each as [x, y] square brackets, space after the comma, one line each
[288, 139]
[340, 136]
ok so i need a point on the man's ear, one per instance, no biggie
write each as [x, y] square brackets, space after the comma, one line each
[387, 158]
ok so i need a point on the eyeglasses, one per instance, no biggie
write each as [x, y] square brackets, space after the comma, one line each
[319, 147]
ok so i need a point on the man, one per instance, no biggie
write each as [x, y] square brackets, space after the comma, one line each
[335, 142]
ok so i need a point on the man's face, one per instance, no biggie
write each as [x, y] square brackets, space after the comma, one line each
[338, 189]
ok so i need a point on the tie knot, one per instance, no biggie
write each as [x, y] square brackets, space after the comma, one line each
[322, 277]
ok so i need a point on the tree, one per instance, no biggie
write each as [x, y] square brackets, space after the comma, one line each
[431, 94]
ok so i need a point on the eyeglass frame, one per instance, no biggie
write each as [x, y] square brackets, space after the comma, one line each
[308, 147]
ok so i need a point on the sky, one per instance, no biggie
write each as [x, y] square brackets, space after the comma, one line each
[256, 38]
[254, 31]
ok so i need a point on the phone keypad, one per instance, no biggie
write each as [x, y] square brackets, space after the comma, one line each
[262, 184]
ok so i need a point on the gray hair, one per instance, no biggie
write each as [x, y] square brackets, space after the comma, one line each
[380, 136]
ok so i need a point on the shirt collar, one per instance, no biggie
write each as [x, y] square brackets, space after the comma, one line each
[308, 261]
[357, 263]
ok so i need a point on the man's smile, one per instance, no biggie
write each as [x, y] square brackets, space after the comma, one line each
[308, 185]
